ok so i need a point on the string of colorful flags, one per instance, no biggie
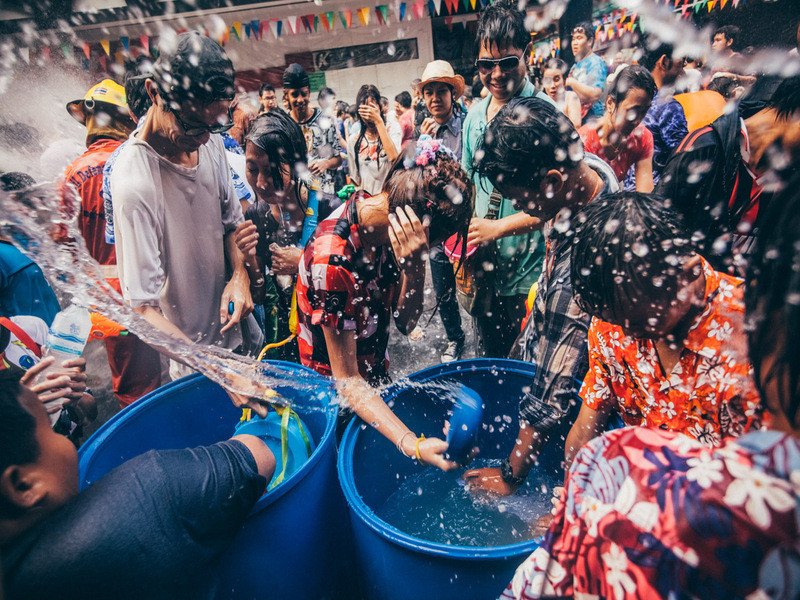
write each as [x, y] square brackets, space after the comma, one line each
[269, 29]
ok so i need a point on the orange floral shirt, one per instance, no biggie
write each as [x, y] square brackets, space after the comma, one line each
[708, 395]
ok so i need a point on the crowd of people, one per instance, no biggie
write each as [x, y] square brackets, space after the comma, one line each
[635, 235]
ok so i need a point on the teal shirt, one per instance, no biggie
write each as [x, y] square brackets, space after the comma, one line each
[519, 257]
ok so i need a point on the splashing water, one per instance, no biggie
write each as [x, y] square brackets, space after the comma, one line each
[436, 506]
[36, 218]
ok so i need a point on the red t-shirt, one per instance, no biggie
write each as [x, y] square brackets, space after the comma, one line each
[638, 146]
[406, 121]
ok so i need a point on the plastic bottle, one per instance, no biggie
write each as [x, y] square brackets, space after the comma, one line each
[67, 339]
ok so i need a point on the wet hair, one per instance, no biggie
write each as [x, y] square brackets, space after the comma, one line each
[15, 180]
[403, 99]
[731, 32]
[629, 247]
[265, 87]
[325, 92]
[282, 140]
[503, 26]
[136, 73]
[196, 71]
[632, 77]
[17, 430]
[440, 189]
[366, 92]
[527, 138]
[587, 29]
[772, 298]
[558, 64]
[725, 86]
[786, 98]
[652, 50]
[341, 107]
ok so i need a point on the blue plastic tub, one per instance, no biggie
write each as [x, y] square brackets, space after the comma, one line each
[295, 543]
[396, 565]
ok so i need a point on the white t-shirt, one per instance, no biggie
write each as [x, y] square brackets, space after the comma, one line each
[169, 224]
[372, 168]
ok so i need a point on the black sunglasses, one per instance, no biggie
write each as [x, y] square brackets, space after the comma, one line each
[194, 130]
[507, 63]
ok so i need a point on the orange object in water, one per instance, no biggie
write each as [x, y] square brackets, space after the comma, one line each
[103, 327]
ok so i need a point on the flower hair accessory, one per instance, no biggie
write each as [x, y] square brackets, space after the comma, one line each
[427, 148]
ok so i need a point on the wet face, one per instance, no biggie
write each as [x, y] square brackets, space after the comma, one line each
[55, 472]
[553, 82]
[189, 117]
[502, 81]
[259, 176]
[531, 200]
[720, 43]
[628, 114]
[673, 70]
[299, 100]
[581, 44]
[269, 100]
[438, 99]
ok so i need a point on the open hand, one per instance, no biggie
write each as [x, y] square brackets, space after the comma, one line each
[370, 112]
[409, 238]
[488, 480]
[482, 231]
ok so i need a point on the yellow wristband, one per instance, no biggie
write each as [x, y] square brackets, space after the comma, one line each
[416, 450]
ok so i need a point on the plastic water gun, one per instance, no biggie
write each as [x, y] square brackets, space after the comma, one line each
[103, 327]
[346, 191]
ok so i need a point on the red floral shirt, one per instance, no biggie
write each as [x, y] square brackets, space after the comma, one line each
[655, 514]
[709, 394]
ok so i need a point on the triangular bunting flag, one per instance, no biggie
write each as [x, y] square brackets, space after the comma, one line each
[466, 5]
[308, 22]
[292, 22]
[383, 10]
[254, 28]
[418, 9]
[273, 26]
[472, 4]
[226, 35]
[346, 17]
[698, 6]
[144, 41]
[247, 30]
[236, 28]
[262, 28]
[126, 43]
[711, 5]
[25, 54]
[66, 50]
[437, 5]
[722, 3]
[316, 23]
[330, 16]
[363, 16]
[401, 12]
[106, 46]
[324, 20]
[87, 50]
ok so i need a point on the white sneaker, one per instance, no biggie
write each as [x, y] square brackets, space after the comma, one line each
[453, 352]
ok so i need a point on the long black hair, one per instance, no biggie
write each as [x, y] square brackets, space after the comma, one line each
[773, 299]
[366, 92]
[283, 142]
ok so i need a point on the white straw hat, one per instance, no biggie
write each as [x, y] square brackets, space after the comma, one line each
[442, 71]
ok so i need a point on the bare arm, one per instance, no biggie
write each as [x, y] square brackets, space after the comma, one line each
[572, 108]
[482, 231]
[367, 403]
[386, 140]
[409, 239]
[587, 93]
[238, 288]
[589, 424]
[644, 175]
[154, 316]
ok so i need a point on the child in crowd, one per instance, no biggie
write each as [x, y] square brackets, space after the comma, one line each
[365, 264]
[619, 137]
[666, 343]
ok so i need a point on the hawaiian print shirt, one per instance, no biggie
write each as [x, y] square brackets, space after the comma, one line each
[322, 143]
[655, 514]
[709, 394]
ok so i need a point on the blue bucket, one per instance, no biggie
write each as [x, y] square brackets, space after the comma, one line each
[295, 542]
[399, 566]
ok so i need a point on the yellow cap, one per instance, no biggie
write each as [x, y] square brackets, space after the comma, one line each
[107, 91]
